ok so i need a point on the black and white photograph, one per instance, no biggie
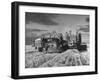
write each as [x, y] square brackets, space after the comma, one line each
[51, 40]
[56, 40]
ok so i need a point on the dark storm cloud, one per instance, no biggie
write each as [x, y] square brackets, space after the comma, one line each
[35, 30]
[40, 18]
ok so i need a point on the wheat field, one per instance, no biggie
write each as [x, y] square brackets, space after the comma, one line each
[71, 57]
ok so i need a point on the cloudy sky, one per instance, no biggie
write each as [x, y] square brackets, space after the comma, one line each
[54, 22]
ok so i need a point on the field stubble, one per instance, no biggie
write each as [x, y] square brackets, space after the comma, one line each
[71, 57]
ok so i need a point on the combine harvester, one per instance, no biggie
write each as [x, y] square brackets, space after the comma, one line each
[54, 42]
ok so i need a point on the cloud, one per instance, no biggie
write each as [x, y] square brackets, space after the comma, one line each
[40, 18]
[34, 30]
